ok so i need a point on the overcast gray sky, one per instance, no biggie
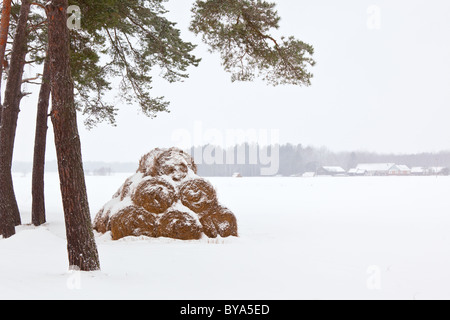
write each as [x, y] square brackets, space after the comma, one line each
[379, 85]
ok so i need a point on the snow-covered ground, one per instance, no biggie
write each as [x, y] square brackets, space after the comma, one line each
[300, 238]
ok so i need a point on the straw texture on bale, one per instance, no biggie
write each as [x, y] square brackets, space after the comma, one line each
[225, 222]
[133, 221]
[101, 221]
[118, 192]
[179, 225]
[125, 191]
[174, 163]
[198, 195]
[154, 195]
[209, 229]
[147, 162]
[219, 221]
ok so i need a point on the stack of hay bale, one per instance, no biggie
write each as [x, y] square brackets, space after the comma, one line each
[166, 198]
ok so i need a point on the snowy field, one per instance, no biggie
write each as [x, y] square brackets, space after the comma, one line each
[300, 238]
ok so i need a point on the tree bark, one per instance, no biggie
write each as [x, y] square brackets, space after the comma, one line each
[9, 211]
[82, 249]
[4, 29]
[38, 202]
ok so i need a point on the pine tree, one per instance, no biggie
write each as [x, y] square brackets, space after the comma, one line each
[9, 211]
[38, 198]
[81, 246]
[240, 31]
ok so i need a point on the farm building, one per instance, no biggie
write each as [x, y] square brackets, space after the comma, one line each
[380, 169]
[356, 172]
[374, 169]
[331, 171]
[399, 170]
[419, 171]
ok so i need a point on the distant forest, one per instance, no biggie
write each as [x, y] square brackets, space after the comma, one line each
[297, 159]
[293, 160]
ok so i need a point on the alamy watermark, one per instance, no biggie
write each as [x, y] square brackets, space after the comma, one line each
[232, 146]
[374, 280]
[74, 17]
[374, 17]
[73, 281]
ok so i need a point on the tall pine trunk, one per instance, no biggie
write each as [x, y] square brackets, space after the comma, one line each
[81, 245]
[38, 203]
[9, 211]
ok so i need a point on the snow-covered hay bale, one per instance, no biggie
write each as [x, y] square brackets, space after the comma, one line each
[133, 221]
[209, 229]
[174, 163]
[154, 195]
[125, 190]
[198, 195]
[166, 198]
[147, 162]
[179, 225]
[101, 221]
[219, 221]
[225, 222]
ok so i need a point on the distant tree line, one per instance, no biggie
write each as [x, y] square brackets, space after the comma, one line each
[293, 160]
[298, 159]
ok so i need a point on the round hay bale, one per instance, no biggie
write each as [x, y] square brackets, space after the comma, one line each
[118, 192]
[179, 225]
[125, 190]
[101, 221]
[174, 163]
[155, 195]
[133, 221]
[224, 221]
[209, 229]
[147, 162]
[198, 195]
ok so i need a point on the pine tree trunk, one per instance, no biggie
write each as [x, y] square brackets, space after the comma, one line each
[81, 244]
[38, 203]
[4, 29]
[9, 211]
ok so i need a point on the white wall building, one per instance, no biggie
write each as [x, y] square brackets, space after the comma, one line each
[331, 171]
[374, 169]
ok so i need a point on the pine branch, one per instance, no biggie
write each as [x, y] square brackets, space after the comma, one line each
[28, 80]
